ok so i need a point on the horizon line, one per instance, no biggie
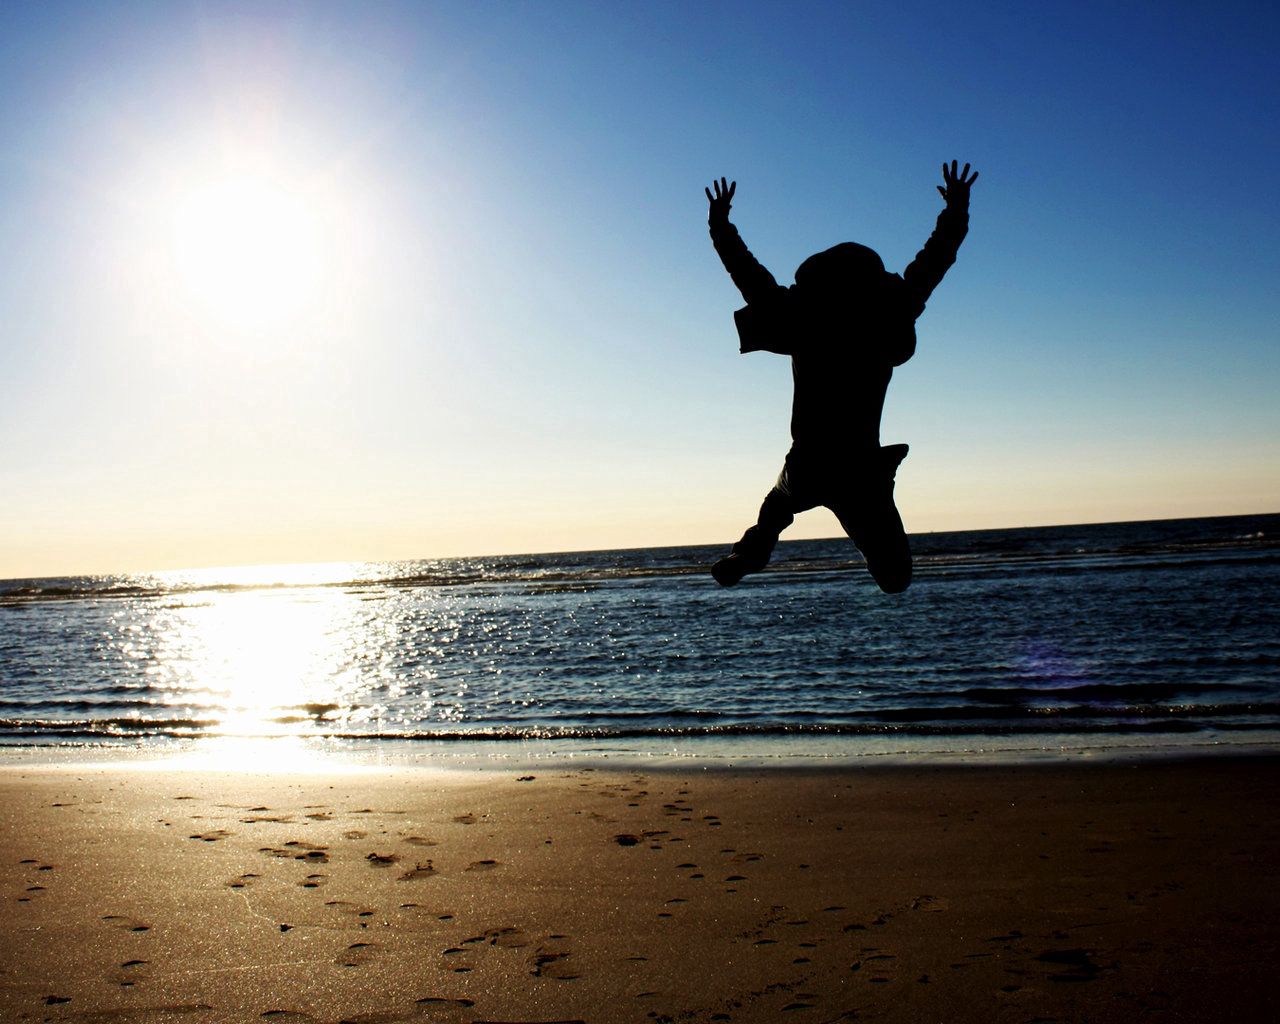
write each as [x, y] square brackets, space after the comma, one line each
[605, 550]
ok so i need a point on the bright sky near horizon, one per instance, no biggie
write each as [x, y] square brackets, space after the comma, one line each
[309, 281]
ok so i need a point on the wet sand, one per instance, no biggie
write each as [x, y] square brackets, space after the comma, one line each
[1011, 893]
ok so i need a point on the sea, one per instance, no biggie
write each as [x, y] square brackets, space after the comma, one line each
[1139, 637]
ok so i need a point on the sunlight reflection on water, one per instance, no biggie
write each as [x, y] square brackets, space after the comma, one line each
[265, 663]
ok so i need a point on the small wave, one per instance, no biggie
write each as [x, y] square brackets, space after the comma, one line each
[940, 721]
[1147, 693]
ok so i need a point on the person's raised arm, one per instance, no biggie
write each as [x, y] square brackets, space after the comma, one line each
[925, 272]
[752, 279]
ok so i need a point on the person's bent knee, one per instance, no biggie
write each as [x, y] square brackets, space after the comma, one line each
[893, 581]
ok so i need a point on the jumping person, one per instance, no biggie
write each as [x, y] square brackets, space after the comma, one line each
[845, 323]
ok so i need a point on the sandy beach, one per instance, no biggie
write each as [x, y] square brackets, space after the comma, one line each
[1081, 892]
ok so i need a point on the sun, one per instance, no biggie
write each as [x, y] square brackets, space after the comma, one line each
[248, 250]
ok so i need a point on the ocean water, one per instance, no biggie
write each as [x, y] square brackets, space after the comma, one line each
[1131, 633]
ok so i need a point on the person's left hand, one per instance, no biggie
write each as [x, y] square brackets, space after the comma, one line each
[721, 201]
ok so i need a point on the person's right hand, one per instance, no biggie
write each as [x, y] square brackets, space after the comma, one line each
[955, 187]
[721, 201]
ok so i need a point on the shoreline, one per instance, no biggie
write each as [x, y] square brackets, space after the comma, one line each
[301, 755]
[965, 892]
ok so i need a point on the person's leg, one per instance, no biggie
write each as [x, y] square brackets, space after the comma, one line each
[870, 517]
[751, 553]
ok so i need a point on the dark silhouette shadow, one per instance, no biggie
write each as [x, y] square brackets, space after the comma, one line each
[845, 323]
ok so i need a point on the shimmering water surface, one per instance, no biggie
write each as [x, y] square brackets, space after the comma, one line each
[1134, 630]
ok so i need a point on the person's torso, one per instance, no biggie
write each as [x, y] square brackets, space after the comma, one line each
[837, 401]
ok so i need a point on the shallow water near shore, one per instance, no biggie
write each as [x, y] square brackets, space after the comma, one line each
[1030, 642]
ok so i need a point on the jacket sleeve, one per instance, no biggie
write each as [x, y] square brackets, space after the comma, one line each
[925, 272]
[752, 279]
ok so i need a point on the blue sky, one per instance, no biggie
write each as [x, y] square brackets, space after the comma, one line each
[517, 336]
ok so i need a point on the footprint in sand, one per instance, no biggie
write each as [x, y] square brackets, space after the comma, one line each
[381, 860]
[508, 937]
[654, 835]
[358, 954]
[1078, 964]
[129, 974]
[241, 882]
[354, 833]
[452, 963]
[212, 837]
[420, 841]
[298, 851]
[354, 909]
[465, 819]
[128, 924]
[313, 881]
[442, 1001]
[553, 965]
[482, 865]
[418, 871]
[878, 961]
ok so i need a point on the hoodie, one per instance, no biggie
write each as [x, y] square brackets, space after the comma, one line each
[845, 323]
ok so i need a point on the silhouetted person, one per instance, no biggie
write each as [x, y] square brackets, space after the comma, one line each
[845, 323]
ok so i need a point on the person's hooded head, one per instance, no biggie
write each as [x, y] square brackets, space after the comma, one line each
[846, 269]
[848, 286]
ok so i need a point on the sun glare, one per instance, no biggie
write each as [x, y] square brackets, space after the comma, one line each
[248, 250]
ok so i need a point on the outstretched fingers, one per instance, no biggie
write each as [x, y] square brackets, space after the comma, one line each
[724, 189]
[956, 179]
[720, 197]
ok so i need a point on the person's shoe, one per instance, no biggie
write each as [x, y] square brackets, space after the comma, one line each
[730, 570]
[892, 456]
